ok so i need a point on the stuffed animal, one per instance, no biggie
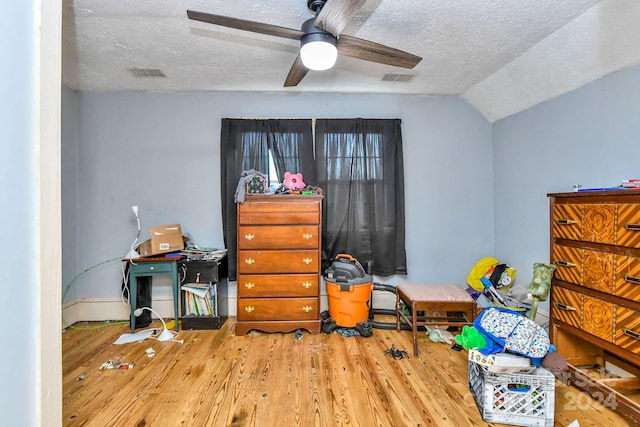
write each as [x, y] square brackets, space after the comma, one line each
[293, 181]
[540, 285]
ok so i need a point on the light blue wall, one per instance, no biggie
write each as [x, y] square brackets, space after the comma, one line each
[71, 108]
[160, 151]
[590, 136]
[18, 340]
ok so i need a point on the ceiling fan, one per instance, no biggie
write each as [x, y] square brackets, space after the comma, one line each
[322, 32]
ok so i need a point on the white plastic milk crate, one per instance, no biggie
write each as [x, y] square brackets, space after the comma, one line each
[513, 398]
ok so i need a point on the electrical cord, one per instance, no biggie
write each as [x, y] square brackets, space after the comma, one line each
[155, 334]
[125, 278]
[68, 286]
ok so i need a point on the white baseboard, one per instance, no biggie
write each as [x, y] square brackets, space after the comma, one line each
[112, 309]
[542, 317]
[103, 309]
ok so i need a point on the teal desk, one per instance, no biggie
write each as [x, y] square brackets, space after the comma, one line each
[143, 267]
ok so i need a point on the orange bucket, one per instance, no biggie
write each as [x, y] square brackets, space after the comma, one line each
[349, 304]
[349, 290]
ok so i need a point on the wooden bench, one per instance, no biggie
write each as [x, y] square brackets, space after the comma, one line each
[443, 305]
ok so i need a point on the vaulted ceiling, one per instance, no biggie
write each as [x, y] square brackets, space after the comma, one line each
[502, 56]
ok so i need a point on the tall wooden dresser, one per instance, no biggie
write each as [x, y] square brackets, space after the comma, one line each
[279, 258]
[595, 296]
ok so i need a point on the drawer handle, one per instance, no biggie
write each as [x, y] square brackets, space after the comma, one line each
[151, 268]
[307, 236]
[249, 308]
[307, 261]
[249, 261]
[632, 227]
[249, 285]
[307, 308]
[632, 334]
[565, 307]
[562, 263]
[566, 221]
[632, 279]
[307, 285]
[249, 236]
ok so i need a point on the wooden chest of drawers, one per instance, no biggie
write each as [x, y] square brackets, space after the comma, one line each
[595, 295]
[279, 258]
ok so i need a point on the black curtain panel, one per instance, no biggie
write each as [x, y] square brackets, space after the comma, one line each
[246, 144]
[360, 167]
[291, 145]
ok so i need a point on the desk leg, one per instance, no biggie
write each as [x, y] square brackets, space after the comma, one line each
[176, 292]
[414, 319]
[397, 312]
[133, 296]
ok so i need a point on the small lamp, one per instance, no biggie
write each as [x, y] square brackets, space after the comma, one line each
[132, 252]
[318, 48]
[165, 335]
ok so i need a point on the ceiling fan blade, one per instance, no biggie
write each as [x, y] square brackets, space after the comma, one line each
[375, 52]
[296, 73]
[243, 24]
[336, 14]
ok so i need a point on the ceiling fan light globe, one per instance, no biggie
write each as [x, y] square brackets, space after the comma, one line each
[318, 53]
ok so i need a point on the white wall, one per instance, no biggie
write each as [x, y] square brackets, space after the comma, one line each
[590, 136]
[161, 151]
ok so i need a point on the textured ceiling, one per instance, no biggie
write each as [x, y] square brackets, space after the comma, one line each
[502, 56]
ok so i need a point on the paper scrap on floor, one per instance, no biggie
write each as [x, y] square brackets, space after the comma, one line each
[137, 337]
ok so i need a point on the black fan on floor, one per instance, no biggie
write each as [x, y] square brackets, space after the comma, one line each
[320, 38]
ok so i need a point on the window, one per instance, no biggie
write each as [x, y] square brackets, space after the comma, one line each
[358, 163]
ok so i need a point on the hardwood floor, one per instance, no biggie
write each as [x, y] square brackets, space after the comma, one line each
[218, 379]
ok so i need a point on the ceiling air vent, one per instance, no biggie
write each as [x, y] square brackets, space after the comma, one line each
[397, 77]
[146, 72]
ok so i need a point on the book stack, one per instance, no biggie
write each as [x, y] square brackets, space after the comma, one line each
[200, 299]
[631, 183]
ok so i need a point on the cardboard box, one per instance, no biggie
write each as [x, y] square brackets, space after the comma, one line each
[502, 363]
[144, 248]
[165, 239]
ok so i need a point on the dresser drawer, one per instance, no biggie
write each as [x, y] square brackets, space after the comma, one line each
[143, 268]
[283, 212]
[275, 218]
[279, 237]
[627, 277]
[627, 332]
[251, 309]
[284, 205]
[567, 221]
[597, 317]
[265, 262]
[278, 285]
[628, 226]
[598, 270]
[599, 223]
[568, 262]
[567, 306]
